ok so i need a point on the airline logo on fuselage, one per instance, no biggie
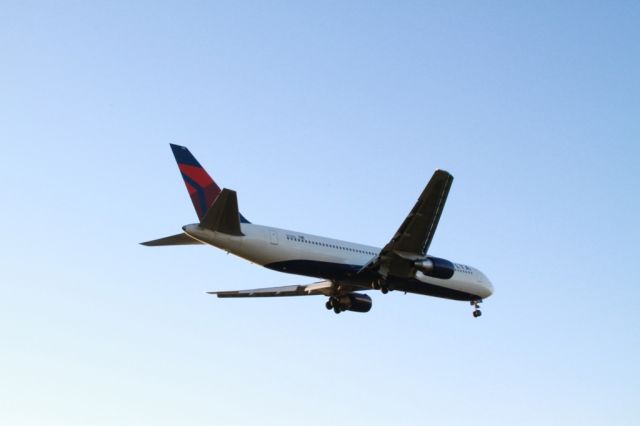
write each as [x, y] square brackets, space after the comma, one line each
[463, 268]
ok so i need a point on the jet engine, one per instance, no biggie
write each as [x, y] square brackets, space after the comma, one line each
[358, 303]
[435, 267]
[355, 302]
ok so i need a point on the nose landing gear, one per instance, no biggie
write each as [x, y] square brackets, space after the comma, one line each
[476, 307]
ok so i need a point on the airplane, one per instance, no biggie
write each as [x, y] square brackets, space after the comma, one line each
[346, 269]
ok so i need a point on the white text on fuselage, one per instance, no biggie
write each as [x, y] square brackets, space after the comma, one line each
[463, 268]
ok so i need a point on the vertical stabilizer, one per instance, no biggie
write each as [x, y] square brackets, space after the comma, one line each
[202, 189]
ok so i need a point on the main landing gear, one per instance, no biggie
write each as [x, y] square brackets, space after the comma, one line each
[476, 307]
[333, 303]
[381, 284]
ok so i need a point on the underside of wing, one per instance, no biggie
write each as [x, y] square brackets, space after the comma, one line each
[319, 288]
[324, 288]
[342, 296]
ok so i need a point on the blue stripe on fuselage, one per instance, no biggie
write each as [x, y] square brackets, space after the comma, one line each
[347, 272]
[314, 268]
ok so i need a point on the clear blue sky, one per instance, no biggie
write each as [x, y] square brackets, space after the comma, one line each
[327, 117]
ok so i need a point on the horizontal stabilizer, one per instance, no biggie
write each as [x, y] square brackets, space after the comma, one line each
[174, 240]
[223, 216]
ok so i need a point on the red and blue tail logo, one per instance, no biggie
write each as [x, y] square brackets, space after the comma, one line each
[202, 189]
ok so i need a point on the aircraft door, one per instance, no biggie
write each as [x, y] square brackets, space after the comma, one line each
[274, 237]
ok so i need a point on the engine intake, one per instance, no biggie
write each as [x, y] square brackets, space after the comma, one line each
[435, 267]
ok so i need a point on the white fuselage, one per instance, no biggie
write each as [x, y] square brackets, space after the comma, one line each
[312, 255]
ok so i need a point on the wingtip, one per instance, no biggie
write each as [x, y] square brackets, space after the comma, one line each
[442, 172]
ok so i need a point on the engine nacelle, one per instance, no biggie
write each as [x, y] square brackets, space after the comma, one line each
[356, 302]
[435, 267]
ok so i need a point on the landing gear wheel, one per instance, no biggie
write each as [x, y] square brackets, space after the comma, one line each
[384, 290]
[337, 310]
[329, 305]
[380, 284]
[476, 307]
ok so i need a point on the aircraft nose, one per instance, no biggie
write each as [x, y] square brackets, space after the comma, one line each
[485, 288]
[488, 288]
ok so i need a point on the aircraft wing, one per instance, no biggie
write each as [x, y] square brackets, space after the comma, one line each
[326, 288]
[416, 232]
[413, 238]
[318, 288]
